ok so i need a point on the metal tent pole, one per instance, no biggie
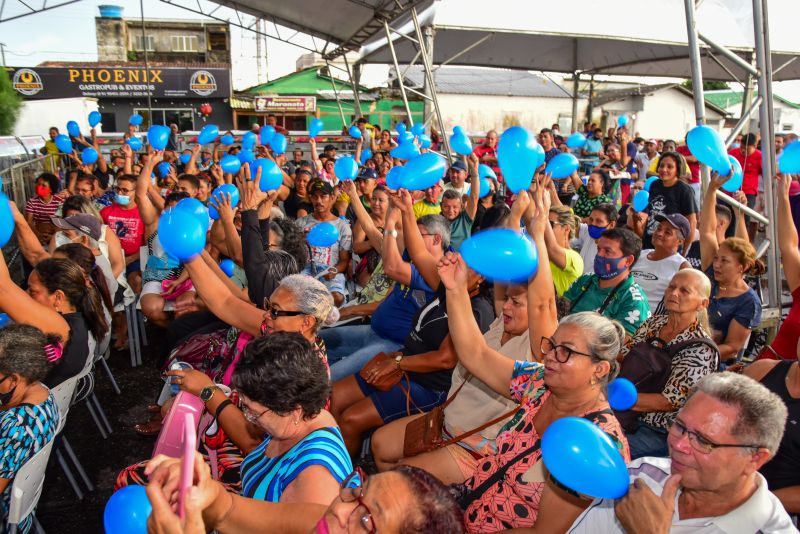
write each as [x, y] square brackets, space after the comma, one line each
[747, 113]
[427, 88]
[575, 82]
[397, 70]
[764, 64]
[354, 83]
[697, 79]
[336, 94]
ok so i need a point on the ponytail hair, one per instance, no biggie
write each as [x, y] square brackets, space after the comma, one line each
[746, 255]
[85, 260]
[67, 276]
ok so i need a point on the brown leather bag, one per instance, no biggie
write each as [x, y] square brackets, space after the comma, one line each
[386, 382]
[424, 434]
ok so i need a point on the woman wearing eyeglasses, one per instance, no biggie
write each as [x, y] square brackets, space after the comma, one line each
[511, 488]
[405, 500]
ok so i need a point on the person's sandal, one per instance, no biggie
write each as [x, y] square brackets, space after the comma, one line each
[150, 428]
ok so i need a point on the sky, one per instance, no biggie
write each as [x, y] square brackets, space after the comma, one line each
[68, 34]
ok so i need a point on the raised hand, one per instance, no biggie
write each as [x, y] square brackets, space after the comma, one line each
[222, 203]
[453, 271]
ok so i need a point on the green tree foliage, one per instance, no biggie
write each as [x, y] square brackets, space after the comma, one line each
[707, 85]
[10, 104]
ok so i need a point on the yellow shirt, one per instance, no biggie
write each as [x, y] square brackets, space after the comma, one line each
[563, 278]
[422, 208]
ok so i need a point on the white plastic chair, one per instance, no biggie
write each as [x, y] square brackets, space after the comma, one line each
[63, 394]
[27, 488]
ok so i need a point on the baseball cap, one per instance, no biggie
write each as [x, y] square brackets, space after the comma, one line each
[367, 174]
[677, 221]
[652, 141]
[328, 147]
[83, 223]
[459, 165]
[320, 186]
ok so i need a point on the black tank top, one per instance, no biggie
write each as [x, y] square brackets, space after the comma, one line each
[784, 469]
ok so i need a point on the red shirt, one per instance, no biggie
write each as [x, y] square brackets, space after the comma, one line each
[751, 167]
[483, 150]
[785, 343]
[684, 151]
[128, 226]
[42, 212]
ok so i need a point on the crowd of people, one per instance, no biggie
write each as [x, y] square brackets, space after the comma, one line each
[380, 384]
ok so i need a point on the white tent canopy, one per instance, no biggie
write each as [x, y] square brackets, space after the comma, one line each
[649, 39]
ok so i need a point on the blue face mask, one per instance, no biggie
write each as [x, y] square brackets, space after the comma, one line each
[122, 200]
[596, 231]
[735, 145]
[608, 268]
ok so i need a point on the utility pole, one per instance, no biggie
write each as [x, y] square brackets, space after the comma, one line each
[259, 73]
[3, 53]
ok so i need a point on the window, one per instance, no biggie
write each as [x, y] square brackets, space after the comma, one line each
[787, 127]
[184, 43]
[217, 40]
[184, 118]
[139, 46]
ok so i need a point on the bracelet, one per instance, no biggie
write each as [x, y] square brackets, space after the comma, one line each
[224, 404]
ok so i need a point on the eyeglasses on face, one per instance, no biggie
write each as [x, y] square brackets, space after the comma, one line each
[352, 490]
[250, 415]
[562, 352]
[701, 443]
[274, 313]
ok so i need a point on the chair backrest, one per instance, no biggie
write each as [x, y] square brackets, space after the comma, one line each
[27, 486]
[170, 439]
[63, 394]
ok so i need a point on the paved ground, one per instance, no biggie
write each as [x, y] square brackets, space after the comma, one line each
[59, 510]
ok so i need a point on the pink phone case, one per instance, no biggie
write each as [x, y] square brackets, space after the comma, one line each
[187, 463]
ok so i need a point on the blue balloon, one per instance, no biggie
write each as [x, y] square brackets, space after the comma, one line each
[576, 140]
[278, 143]
[89, 155]
[582, 457]
[394, 178]
[265, 134]
[135, 143]
[208, 134]
[460, 143]
[6, 220]
[228, 140]
[185, 158]
[501, 254]
[73, 129]
[622, 121]
[163, 169]
[354, 132]
[64, 143]
[346, 168]
[425, 141]
[789, 162]
[401, 128]
[519, 156]
[227, 266]
[95, 118]
[248, 141]
[405, 137]
[640, 201]
[196, 208]
[734, 183]
[366, 155]
[485, 189]
[230, 164]
[315, 127]
[158, 136]
[246, 156]
[423, 171]
[136, 120]
[127, 511]
[271, 175]
[216, 195]
[562, 165]
[622, 394]
[323, 235]
[649, 182]
[418, 129]
[405, 151]
[484, 171]
[707, 146]
[4, 320]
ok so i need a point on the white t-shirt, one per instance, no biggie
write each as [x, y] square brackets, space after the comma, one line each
[654, 276]
[587, 248]
[464, 189]
[762, 512]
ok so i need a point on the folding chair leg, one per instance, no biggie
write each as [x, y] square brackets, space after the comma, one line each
[135, 338]
[37, 526]
[131, 336]
[96, 419]
[101, 412]
[77, 464]
[110, 375]
[142, 331]
[68, 473]
[12, 529]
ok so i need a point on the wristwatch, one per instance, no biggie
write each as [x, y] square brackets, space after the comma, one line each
[392, 233]
[397, 360]
[206, 393]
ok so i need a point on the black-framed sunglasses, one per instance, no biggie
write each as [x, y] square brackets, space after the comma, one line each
[352, 490]
[701, 443]
[563, 353]
[274, 314]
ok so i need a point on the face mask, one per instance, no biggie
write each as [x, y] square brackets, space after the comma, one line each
[322, 526]
[122, 200]
[607, 268]
[43, 190]
[596, 231]
[735, 145]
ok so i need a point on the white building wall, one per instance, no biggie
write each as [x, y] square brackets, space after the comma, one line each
[669, 114]
[37, 116]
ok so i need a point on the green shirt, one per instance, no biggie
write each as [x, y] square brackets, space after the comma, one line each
[584, 205]
[563, 278]
[460, 229]
[629, 304]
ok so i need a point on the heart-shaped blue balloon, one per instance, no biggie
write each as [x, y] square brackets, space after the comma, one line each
[502, 255]
[208, 134]
[314, 128]
[401, 128]
[418, 129]
[64, 143]
[405, 151]
[460, 143]
[484, 171]
[366, 155]
[95, 118]
[271, 175]
[649, 182]
[425, 141]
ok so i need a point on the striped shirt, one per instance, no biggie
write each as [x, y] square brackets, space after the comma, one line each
[266, 478]
[762, 512]
[41, 211]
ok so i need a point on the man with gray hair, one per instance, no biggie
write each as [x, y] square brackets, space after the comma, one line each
[730, 426]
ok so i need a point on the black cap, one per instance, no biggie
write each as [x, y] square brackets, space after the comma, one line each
[367, 174]
[320, 186]
[677, 221]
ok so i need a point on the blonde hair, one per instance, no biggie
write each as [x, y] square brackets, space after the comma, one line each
[745, 255]
[566, 218]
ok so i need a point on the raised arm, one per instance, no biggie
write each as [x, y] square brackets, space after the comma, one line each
[147, 210]
[226, 215]
[787, 234]
[708, 222]
[474, 188]
[415, 245]
[191, 167]
[394, 266]
[365, 222]
[30, 246]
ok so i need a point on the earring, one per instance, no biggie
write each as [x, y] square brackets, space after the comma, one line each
[592, 382]
[296, 422]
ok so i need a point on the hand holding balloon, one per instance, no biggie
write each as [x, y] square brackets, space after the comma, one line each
[223, 205]
[453, 271]
[127, 511]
